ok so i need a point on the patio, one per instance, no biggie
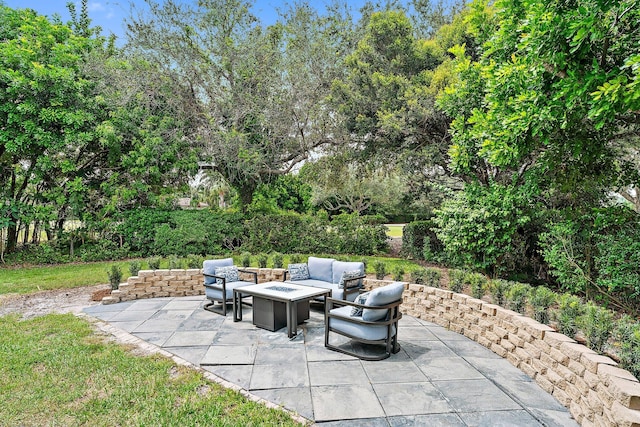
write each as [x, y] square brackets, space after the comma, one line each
[439, 378]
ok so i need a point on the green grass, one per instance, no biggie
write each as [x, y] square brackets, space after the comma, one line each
[395, 230]
[56, 371]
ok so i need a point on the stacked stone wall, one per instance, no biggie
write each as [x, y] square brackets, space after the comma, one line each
[591, 386]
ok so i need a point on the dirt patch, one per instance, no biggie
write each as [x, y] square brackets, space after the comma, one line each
[55, 301]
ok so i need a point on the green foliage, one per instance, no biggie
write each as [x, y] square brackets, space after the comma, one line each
[541, 298]
[277, 260]
[154, 262]
[194, 261]
[432, 277]
[456, 280]
[115, 276]
[245, 259]
[516, 297]
[570, 309]
[398, 273]
[477, 284]
[295, 258]
[380, 268]
[498, 289]
[597, 325]
[134, 267]
[417, 276]
[175, 262]
[262, 259]
[419, 239]
[627, 341]
[286, 193]
[481, 228]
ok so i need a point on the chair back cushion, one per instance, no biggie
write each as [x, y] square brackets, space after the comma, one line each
[321, 269]
[339, 267]
[382, 296]
[298, 271]
[230, 273]
[210, 265]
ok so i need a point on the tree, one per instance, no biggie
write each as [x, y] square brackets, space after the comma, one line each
[256, 94]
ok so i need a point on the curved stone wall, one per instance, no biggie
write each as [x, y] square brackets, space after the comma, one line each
[595, 390]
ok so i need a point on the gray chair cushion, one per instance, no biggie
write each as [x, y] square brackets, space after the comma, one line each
[360, 299]
[366, 332]
[321, 269]
[340, 267]
[216, 293]
[298, 271]
[230, 273]
[382, 296]
[209, 267]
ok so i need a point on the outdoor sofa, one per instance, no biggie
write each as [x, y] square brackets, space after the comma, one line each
[343, 278]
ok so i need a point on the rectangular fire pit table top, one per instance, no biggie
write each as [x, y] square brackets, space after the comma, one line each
[288, 293]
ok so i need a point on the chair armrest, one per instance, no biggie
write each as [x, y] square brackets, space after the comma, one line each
[284, 277]
[348, 290]
[393, 316]
[215, 284]
[255, 274]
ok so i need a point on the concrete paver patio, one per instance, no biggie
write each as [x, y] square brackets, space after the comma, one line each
[439, 378]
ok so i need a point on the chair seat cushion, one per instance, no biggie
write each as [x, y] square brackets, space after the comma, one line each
[382, 296]
[364, 332]
[215, 291]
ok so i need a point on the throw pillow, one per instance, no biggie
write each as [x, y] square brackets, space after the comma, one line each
[350, 275]
[229, 273]
[360, 299]
[298, 271]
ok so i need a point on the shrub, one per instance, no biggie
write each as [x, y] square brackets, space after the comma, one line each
[398, 273]
[419, 241]
[476, 284]
[597, 325]
[115, 276]
[380, 268]
[541, 298]
[175, 263]
[418, 276]
[154, 263]
[569, 310]
[456, 280]
[627, 339]
[194, 261]
[262, 259]
[432, 277]
[245, 259]
[497, 289]
[134, 267]
[517, 297]
[295, 259]
[277, 259]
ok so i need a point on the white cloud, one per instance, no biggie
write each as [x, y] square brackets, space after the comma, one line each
[96, 7]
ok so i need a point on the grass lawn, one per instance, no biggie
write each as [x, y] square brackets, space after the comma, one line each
[395, 230]
[56, 371]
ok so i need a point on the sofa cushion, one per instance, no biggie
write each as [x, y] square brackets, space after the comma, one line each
[366, 332]
[360, 299]
[321, 269]
[382, 296]
[209, 267]
[298, 271]
[350, 275]
[339, 267]
[314, 283]
[230, 273]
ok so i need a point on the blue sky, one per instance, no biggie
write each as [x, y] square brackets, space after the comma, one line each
[110, 14]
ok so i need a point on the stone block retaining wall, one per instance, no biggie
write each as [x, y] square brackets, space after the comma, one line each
[595, 390]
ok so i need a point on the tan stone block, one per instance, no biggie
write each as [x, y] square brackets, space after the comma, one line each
[513, 329]
[441, 321]
[548, 360]
[592, 360]
[540, 367]
[153, 279]
[528, 369]
[160, 294]
[125, 287]
[163, 273]
[544, 383]
[574, 350]
[581, 385]
[505, 314]
[591, 379]
[501, 332]
[194, 282]
[534, 351]
[499, 350]
[194, 292]
[146, 273]
[516, 340]
[626, 392]
[460, 298]
[522, 354]
[485, 323]
[490, 309]
[559, 356]
[125, 298]
[132, 280]
[471, 334]
[562, 396]
[625, 417]
[458, 329]
[576, 410]
[605, 395]
[555, 339]
[513, 359]
[193, 271]
[608, 371]
[553, 376]
[416, 288]
[444, 294]
[522, 333]
[574, 392]
[485, 342]
[110, 300]
[507, 345]
[594, 401]
[542, 346]
[492, 338]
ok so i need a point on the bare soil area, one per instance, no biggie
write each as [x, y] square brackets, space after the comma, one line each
[46, 302]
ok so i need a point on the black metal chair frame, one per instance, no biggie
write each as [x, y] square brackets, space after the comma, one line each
[347, 290]
[211, 306]
[390, 342]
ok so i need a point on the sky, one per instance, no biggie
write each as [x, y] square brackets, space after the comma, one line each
[110, 14]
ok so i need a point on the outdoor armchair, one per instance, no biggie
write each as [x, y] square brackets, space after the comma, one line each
[221, 277]
[371, 319]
